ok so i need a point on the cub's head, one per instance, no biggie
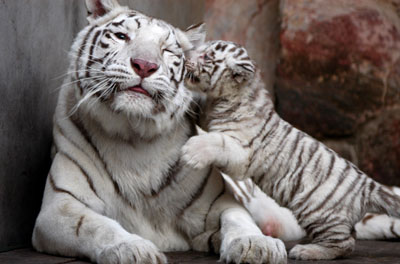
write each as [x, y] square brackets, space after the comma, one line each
[129, 66]
[219, 68]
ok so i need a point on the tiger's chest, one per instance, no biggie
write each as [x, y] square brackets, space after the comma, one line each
[144, 175]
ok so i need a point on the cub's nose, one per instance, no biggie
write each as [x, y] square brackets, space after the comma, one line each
[143, 68]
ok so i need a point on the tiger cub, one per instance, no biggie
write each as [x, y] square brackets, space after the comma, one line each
[246, 138]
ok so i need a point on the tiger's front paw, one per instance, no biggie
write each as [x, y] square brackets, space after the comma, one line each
[255, 249]
[199, 152]
[131, 251]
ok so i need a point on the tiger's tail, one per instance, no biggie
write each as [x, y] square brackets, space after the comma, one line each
[384, 199]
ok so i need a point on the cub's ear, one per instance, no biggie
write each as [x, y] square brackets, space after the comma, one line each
[98, 8]
[193, 37]
[243, 71]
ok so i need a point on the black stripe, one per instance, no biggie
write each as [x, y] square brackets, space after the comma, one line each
[299, 177]
[78, 226]
[292, 151]
[60, 190]
[198, 193]
[118, 24]
[82, 47]
[322, 178]
[104, 45]
[330, 195]
[261, 130]
[282, 144]
[169, 177]
[194, 26]
[84, 172]
[90, 59]
[392, 230]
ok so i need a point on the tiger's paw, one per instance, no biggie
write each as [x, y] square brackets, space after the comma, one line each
[254, 249]
[199, 152]
[131, 251]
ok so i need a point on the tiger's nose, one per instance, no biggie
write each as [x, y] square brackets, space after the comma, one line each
[143, 68]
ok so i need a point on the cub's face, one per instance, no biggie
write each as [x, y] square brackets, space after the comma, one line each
[218, 68]
[130, 63]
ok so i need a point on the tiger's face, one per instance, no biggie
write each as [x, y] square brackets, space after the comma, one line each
[218, 68]
[130, 63]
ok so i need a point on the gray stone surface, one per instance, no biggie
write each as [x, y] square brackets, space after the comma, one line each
[366, 252]
[35, 39]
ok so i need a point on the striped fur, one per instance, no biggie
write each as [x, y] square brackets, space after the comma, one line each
[279, 222]
[247, 139]
[117, 191]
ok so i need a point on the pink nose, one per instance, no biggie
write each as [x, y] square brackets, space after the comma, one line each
[143, 68]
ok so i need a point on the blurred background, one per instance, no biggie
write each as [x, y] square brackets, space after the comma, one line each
[332, 67]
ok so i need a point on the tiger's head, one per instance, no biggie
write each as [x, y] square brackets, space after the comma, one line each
[219, 68]
[129, 69]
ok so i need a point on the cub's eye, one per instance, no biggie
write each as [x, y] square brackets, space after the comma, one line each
[121, 36]
[206, 57]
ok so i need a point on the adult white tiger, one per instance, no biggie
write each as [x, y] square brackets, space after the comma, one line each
[116, 191]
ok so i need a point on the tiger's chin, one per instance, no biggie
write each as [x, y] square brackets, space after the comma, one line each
[133, 104]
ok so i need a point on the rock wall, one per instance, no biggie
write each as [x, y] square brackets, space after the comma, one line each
[338, 78]
[252, 23]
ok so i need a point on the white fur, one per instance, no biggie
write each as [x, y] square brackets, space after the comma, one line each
[108, 196]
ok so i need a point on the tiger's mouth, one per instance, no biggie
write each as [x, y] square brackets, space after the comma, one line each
[139, 89]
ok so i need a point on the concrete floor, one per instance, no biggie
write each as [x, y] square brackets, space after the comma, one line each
[367, 252]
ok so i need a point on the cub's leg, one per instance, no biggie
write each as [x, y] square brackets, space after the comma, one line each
[243, 242]
[331, 238]
[378, 226]
[219, 149]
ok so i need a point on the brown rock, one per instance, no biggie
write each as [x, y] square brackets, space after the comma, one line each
[378, 148]
[253, 24]
[339, 63]
[344, 148]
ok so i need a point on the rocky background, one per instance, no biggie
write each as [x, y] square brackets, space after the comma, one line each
[333, 68]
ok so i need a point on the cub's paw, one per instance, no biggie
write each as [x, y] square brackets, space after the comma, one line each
[255, 249]
[133, 251]
[316, 252]
[199, 152]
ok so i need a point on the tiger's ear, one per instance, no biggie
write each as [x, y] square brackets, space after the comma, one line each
[98, 8]
[196, 34]
[243, 72]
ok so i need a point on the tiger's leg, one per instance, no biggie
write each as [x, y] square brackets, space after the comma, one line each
[218, 149]
[69, 224]
[243, 242]
[331, 238]
[71, 229]
[378, 226]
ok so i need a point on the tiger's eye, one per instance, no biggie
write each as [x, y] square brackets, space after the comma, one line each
[206, 57]
[121, 36]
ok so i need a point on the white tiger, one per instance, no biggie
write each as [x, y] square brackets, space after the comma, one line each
[117, 191]
[247, 139]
